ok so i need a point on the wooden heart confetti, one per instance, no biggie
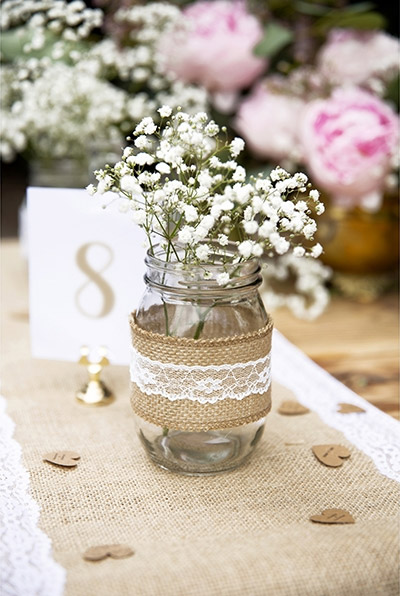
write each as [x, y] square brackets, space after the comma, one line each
[349, 409]
[331, 455]
[115, 551]
[292, 408]
[333, 516]
[66, 459]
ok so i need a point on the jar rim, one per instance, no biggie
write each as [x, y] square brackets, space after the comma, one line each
[230, 251]
[202, 278]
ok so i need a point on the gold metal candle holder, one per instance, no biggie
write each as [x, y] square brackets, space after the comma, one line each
[95, 392]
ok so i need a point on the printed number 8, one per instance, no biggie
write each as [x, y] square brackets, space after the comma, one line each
[95, 277]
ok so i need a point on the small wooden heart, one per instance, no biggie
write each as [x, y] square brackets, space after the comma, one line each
[333, 516]
[349, 409]
[115, 551]
[331, 455]
[292, 408]
[66, 459]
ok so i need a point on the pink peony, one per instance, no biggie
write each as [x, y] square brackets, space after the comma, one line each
[349, 141]
[214, 48]
[358, 57]
[268, 120]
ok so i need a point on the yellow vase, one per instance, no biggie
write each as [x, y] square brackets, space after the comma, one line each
[361, 247]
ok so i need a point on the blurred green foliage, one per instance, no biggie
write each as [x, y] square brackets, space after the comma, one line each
[12, 44]
[315, 18]
[275, 38]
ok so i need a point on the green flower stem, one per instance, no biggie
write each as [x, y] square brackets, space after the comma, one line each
[167, 333]
[199, 329]
[202, 321]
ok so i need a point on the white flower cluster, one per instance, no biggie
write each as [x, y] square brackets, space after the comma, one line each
[298, 284]
[55, 105]
[62, 112]
[138, 63]
[12, 133]
[149, 20]
[179, 190]
[72, 20]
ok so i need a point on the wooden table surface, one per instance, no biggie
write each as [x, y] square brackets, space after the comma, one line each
[357, 343]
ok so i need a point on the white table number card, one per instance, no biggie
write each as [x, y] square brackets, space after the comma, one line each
[86, 267]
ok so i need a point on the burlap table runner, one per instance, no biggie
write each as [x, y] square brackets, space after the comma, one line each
[243, 533]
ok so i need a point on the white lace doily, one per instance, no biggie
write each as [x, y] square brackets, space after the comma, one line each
[203, 384]
[26, 564]
[373, 432]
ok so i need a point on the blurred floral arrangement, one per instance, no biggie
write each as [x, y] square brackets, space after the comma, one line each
[66, 87]
[309, 85]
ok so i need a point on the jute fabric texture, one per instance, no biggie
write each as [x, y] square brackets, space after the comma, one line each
[243, 533]
[220, 350]
[190, 415]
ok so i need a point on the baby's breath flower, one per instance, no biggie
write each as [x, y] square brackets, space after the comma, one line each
[163, 168]
[309, 230]
[185, 235]
[141, 142]
[91, 189]
[299, 251]
[248, 213]
[314, 194]
[301, 179]
[246, 248]
[301, 206]
[143, 159]
[280, 244]
[239, 174]
[105, 183]
[223, 279]
[130, 184]
[165, 111]
[211, 129]
[215, 162]
[203, 202]
[146, 126]
[203, 252]
[257, 250]
[250, 227]
[266, 229]
[316, 250]
[279, 174]
[236, 146]
[191, 213]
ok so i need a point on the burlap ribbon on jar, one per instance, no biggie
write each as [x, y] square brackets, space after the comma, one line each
[204, 384]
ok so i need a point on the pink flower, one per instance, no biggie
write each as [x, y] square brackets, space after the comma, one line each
[214, 48]
[357, 57]
[349, 141]
[268, 120]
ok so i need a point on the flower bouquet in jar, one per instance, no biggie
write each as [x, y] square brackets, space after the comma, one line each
[201, 370]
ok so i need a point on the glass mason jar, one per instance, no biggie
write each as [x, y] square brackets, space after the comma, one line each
[181, 303]
[63, 172]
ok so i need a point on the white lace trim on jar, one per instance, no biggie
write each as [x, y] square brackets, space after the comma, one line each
[26, 564]
[204, 384]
